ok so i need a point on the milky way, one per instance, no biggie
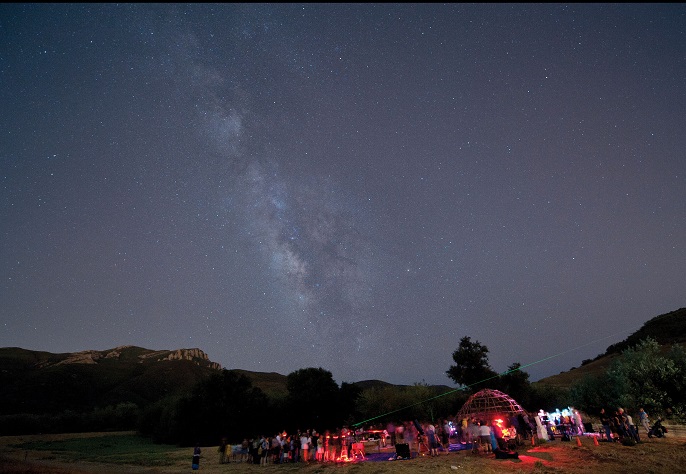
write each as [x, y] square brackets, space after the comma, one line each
[353, 187]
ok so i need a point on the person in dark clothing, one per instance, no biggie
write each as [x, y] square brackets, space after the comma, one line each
[391, 431]
[619, 424]
[195, 464]
[222, 451]
[605, 421]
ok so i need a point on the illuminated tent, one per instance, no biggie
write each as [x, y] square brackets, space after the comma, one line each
[487, 404]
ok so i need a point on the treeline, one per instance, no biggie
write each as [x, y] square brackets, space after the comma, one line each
[227, 405]
[120, 417]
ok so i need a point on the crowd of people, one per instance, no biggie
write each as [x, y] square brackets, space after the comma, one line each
[487, 436]
[303, 446]
[496, 434]
[311, 446]
[619, 426]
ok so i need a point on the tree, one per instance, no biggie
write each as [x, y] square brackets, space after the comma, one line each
[643, 376]
[515, 382]
[225, 404]
[471, 363]
[377, 401]
[347, 411]
[312, 397]
[648, 377]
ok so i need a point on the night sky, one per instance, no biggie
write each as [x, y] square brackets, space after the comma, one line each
[347, 186]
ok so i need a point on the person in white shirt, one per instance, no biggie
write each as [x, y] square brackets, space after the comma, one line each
[485, 435]
[305, 448]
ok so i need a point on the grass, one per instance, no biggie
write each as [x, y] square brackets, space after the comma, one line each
[118, 453]
[111, 449]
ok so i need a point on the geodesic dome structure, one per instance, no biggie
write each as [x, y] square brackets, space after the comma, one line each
[487, 404]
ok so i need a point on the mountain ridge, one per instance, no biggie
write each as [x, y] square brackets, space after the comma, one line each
[92, 356]
[91, 378]
[130, 374]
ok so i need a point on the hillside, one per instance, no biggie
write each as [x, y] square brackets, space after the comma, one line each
[42, 382]
[271, 383]
[666, 329]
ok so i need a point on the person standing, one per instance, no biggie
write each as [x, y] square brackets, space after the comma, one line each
[328, 443]
[345, 443]
[473, 435]
[314, 445]
[445, 435]
[295, 446]
[391, 431]
[541, 432]
[579, 422]
[222, 451]
[644, 420]
[254, 452]
[400, 434]
[321, 449]
[433, 439]
[305, 447]
[337, 453]
[605, 422]
[485, 435]
[195, 463]
[265, 443]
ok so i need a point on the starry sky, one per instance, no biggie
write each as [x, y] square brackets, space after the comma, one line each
[348, 186]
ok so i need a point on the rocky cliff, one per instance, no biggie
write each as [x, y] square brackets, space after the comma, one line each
[127, 352]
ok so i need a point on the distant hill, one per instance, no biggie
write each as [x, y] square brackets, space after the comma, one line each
[380, 384]
[666, 329]
[275, 385]
[374, 384]
[271, 383]
[42, 382]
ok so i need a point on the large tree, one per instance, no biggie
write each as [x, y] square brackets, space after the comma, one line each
[225, 404]
[313, 396]
[645, 375]
[471, 363]
[515, 382]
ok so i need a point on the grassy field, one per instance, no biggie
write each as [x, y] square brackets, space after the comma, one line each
[128, 453]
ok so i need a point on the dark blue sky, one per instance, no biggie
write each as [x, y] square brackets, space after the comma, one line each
[353, 187]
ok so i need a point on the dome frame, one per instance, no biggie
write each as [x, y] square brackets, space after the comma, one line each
[487, 404]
